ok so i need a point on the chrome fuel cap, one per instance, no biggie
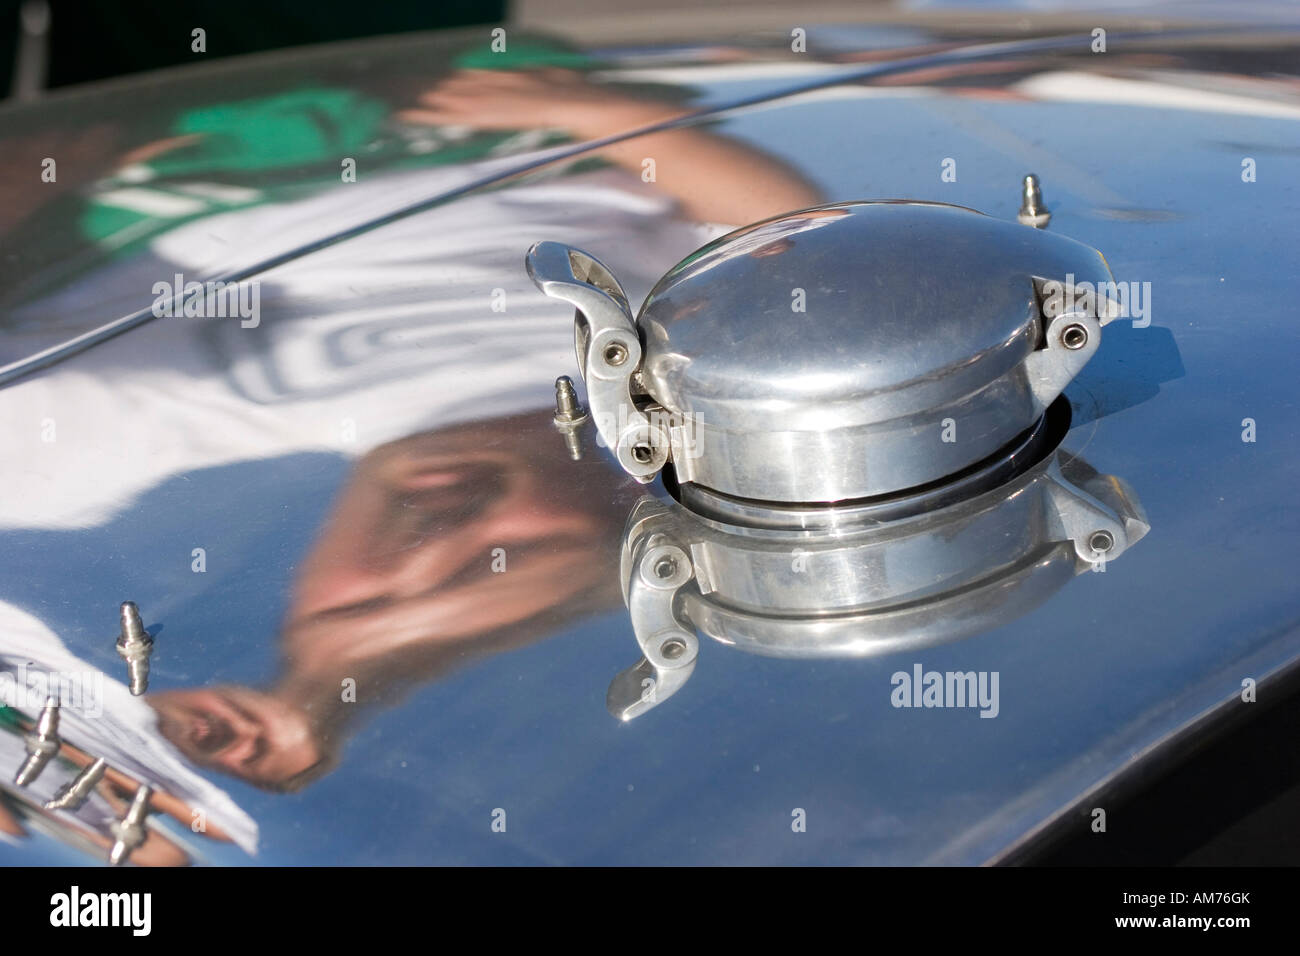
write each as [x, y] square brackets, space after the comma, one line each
[842, 352]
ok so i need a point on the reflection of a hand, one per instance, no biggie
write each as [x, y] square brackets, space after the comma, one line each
[532, 99]
[716, 179]
[80, 155]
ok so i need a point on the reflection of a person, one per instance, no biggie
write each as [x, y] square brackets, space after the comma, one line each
[406, 582]
[399, 588]
[349, 349]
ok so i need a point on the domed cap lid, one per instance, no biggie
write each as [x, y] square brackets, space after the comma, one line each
[845, 351]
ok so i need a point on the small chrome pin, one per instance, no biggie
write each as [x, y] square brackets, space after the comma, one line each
[1032, 210]
[569, 414]
[42, 744]
[74, 794]
[135, 645]
[129, 832]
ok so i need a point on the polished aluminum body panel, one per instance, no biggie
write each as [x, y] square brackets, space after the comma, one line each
[384, 597]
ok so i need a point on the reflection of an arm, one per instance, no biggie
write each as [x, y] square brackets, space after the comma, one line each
[716, 179]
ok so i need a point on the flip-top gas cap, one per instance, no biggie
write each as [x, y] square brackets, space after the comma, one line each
[847, 351]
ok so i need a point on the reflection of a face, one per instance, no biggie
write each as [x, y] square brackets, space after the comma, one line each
[243, 732]
[442, 547]
[405, 562]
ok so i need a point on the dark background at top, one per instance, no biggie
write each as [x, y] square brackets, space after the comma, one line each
[97, 39]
